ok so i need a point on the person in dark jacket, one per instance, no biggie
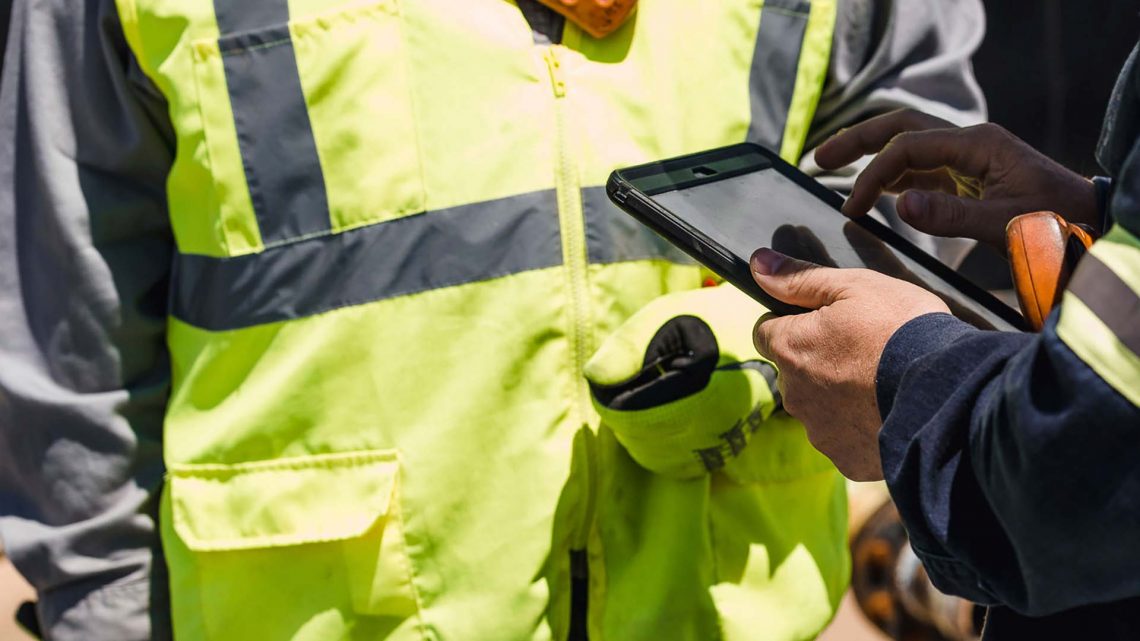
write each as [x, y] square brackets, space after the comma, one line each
[1012, 457]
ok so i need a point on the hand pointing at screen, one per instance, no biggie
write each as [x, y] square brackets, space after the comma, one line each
[955, 182]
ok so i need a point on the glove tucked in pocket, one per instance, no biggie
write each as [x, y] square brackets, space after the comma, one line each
[680, 384]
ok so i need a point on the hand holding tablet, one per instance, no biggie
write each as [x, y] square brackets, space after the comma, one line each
[721, 205]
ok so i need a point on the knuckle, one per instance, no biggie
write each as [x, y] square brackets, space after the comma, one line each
[864, 276]
[780, 345]
[913, 119]
[953, 212]
[923, 120]
[903, 139]
[797, 281]
[775, 347]
[1000, 131]
[760, 337]
[804, 281]
[990, 132]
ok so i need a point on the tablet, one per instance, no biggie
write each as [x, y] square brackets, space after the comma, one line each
[721, 205]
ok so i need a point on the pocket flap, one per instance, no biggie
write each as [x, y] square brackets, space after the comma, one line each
[312, 499]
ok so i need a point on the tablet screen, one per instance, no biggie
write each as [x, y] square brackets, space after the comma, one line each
[766, 209]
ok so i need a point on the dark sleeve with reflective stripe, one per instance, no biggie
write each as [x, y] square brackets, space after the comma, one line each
[1013, 457]
[85, 249]
[1013, 465]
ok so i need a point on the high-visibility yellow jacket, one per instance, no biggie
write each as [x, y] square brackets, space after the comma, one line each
[394, 257]
[389, 261]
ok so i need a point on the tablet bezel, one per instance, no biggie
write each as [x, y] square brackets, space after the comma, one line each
[632, 189]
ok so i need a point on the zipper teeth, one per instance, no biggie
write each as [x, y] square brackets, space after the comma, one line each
[572, 227]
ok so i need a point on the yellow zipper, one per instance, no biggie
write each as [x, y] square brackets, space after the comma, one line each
[573, 230]
[571, 223]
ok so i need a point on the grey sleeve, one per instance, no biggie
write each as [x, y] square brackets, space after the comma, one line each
[85, 250]
[894, 54]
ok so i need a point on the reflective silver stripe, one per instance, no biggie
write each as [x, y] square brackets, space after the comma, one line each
[427, 251]
[775, 65]
[613, 236]
[278, 152]
[233, 16]
[1110, 298]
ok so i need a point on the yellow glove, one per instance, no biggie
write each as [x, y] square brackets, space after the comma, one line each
[681, 385]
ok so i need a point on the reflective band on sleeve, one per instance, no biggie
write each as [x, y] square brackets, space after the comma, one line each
[775, 64]
[1110, 298]
[444, 248]
[1100, 313]
[1120, 249]
[1095, 344]
[613, 236]
[279, 154]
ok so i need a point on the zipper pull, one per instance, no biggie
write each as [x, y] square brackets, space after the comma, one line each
[554, 65]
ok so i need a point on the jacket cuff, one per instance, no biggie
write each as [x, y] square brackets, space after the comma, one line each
[121, 612]
[919, 337]
[953, 577]
[1103, 188]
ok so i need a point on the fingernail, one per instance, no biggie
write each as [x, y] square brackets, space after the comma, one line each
[767, 262]
[913, 204]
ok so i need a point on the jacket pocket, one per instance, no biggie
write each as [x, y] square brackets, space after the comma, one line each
[288, 548]
[309, 124]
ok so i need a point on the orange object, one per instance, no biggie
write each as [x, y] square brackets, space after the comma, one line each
[599, 18]
[1043, 252]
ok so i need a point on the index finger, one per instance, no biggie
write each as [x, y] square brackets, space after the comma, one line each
[962, 150]
[869, 137]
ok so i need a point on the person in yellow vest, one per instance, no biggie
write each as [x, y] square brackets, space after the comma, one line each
[315, 322]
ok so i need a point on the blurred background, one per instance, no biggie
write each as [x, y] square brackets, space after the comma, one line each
[1048, 68]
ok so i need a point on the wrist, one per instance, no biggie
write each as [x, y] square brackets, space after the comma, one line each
[1103, 187]
[1086, 207]
[918, 337]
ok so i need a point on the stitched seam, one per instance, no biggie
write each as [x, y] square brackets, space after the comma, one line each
[202, 58]
[398, 214]
[273, 541]
[323, 461]
[248, 49]
[396, 505]
[329, 21]
[413, 107]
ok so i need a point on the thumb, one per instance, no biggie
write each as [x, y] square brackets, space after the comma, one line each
[796, 282]
[946, 215]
